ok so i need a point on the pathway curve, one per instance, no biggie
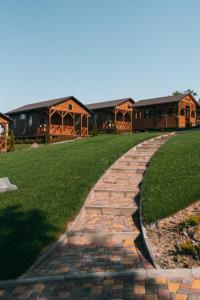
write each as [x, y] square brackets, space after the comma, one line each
[106, 234]
[102, 255]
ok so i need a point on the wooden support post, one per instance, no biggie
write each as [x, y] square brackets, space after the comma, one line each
[81, 124]
[115, 119]
[62, 122]
[5, 136]
[123, 126]
[74, 125]
[49, 129]
[87, 125]
[131, 112]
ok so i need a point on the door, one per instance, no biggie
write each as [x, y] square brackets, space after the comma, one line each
[187, 116]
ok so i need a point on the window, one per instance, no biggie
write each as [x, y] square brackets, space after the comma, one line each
[69, 106]
[30, 121]
[148, 114]
[182, 112]
[22, 117]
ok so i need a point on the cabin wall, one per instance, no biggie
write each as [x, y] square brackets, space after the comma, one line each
[185, 103]
[22, 125]
[75, 107]
[155, 117]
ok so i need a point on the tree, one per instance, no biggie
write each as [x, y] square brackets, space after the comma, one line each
[12, 142]
[176, 93]
[95, 129]
[191, 92]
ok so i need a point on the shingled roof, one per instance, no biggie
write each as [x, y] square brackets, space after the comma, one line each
[106, 104]
[46, 104]
[162, 100]
[7, 118]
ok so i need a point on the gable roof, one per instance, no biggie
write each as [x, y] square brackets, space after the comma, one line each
[46, 104]
[106, 104]
[163, 100]
[5, 117]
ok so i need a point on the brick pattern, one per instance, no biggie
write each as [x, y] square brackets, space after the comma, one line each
[128, 287]
[106, 236]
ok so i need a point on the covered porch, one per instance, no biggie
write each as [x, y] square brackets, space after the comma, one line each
[4, 123]
[64, 123]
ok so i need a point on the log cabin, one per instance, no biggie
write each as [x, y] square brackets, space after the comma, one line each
[176, 111]
[114, 115]
[4, 127]
[62, 117]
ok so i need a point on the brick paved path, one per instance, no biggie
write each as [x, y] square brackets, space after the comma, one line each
[105, 237]
[128, 287]
[106, 234]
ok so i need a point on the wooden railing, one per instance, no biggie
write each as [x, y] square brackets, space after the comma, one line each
[60, 130]
[2, 143]
[123, 126]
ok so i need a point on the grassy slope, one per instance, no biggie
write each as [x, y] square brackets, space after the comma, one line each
[53, 182]
[172, 181]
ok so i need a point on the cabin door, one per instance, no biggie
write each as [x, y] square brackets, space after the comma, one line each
[187, 116]
[78, 124]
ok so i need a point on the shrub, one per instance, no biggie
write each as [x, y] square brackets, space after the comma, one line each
[12, 142]
[188, 248]
[95, 129]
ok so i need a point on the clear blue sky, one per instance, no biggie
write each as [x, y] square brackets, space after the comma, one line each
[97, 49]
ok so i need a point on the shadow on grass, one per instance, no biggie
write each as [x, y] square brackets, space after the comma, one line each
[23, 235]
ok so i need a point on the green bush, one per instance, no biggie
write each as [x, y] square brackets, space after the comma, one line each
[95, 129]
[189, 248]
[12, 142]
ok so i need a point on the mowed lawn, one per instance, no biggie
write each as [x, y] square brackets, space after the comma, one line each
[172, 181]
[53, 182]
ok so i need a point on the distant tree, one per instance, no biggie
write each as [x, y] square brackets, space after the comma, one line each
[95, 129]
[191, 92]
[12, 142]
[176, 93]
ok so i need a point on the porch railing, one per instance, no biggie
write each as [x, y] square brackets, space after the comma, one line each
[61, 130]
[2, 143]
[123, 126]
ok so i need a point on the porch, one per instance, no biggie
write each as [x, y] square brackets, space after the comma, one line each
[62, 123]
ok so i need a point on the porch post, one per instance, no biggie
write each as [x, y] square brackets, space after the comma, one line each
[87, 125]
[123, 122]
[131, 112]
[49, 129]
[6, 136]
[62, 121]
[81, 125]
[74, 124]
[115, 119]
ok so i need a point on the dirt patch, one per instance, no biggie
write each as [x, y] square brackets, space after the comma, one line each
[176, 240]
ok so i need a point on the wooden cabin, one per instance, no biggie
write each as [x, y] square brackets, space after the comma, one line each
[177, 111]
[4, 125]
[65, 116]
[115, 114]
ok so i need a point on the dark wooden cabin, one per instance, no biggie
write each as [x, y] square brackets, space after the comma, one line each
[4, 128]
[65, 116]
[177, 111]
[115, 114]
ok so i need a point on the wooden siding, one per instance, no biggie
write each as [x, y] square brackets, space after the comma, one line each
[4, 134]
[168, 115]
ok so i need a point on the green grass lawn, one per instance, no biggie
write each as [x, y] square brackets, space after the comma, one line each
[53, 182]
[22, 146]
[172, 181]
